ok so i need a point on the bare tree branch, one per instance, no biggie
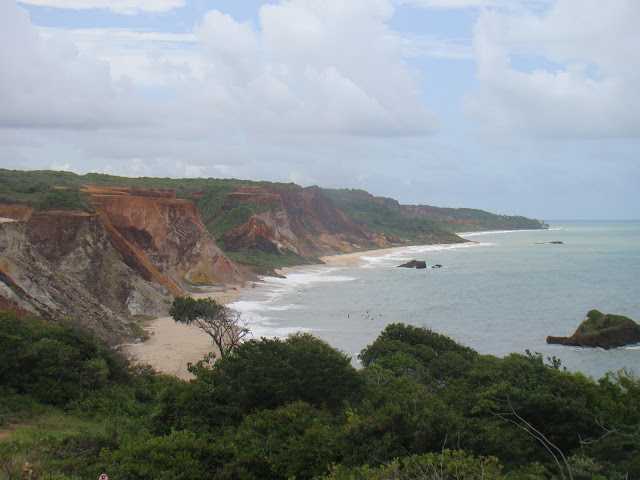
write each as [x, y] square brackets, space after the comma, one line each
[223, 324]
[608, 431]
[538, 435]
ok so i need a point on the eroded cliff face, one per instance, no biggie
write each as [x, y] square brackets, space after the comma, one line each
[79, 244]
[31, 284]
[302, 221]
[163, 239]
[137, 250]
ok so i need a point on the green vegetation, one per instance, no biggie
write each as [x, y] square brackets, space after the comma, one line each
[223, 207]
[386, 216]
[36, 190]
[63, 199]
[483, 220]
[597, 321]
[137, 330]
[423, 407]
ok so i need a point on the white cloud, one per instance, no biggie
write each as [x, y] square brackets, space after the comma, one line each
[436, 47]
[64, 167]
[452, 3]
[461, 4]
[125, 7]
[301, 178]
[569, 71]
[47, 83]
[301, 69]
[148, 58]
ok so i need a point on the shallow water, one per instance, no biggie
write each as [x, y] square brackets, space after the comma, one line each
[503, 293]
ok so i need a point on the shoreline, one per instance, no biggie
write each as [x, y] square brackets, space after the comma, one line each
[172, 345]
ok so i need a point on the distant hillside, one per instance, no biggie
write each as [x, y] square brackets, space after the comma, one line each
[270, 225]
[412, 221]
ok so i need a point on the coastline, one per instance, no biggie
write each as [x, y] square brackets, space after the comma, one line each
[172, 345]
[351, 259]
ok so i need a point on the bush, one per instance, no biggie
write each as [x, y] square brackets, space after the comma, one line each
[447, 465]
[267, 374]
[51, 362]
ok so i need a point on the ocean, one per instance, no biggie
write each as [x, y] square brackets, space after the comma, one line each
[503, 292]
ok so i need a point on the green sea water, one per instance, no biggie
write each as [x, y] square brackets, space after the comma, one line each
[503, 292]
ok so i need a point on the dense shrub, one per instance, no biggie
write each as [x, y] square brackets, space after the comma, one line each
[51, 362]
[269, 373]
[423, 407]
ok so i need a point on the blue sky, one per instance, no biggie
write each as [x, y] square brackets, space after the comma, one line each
[519, 107]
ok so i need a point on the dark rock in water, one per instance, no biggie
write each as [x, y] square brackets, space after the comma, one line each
[437, 265]
[414, 264]
[555, 242]
[599, 330]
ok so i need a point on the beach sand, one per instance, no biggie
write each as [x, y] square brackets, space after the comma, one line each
[173, 345]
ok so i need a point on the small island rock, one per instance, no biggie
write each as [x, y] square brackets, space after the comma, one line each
[599, 330]
[414, 264]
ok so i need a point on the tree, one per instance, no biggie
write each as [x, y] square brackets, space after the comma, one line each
[269, 373]
[221, 323]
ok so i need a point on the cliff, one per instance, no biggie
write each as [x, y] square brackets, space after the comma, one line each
[263, 225]
[137, 249]
[300, 221]
[423, 222]
[604, 331]
[163, 238]
[80, 245]
[31, 284]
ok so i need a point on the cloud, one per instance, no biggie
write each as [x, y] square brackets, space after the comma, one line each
[305, 68]
[435, 47]
[461, 4]
[568, 71]
[125, 7]
[301, 68]
[46, 83]
[147, 58]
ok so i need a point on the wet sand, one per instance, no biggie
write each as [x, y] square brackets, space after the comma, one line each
[172, 345]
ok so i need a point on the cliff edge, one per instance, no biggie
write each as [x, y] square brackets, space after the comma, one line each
[136, 250]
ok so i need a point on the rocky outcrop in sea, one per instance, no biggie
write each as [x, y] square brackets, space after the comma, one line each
[604, 331]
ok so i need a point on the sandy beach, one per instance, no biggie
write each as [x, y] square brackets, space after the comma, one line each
[173, 345]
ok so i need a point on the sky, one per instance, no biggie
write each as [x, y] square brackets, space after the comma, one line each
[527, 107]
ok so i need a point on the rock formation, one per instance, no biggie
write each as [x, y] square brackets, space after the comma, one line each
[31, 284]
[302, 221]
[137, 249]
[419, 264]
[599, 330]
[163, 238]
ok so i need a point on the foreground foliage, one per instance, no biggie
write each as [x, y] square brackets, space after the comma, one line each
[423, 407]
